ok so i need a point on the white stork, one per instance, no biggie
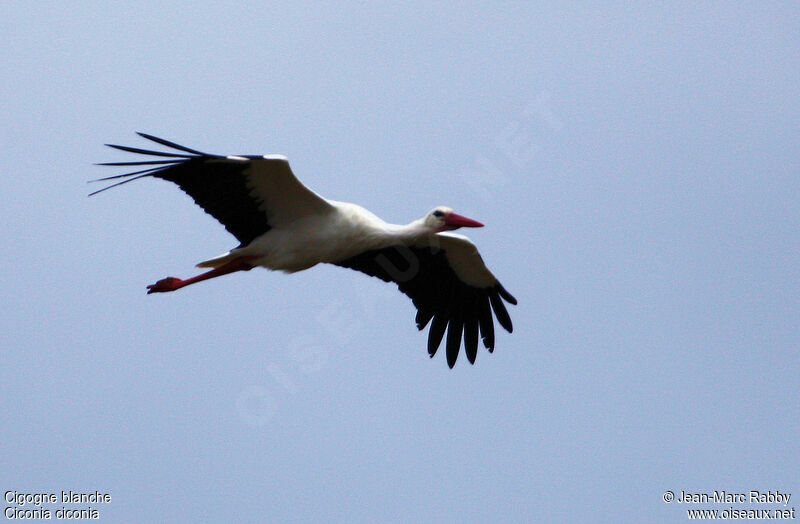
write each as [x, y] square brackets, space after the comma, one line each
[282, 225]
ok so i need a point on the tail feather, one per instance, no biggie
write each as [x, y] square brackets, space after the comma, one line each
[218, 260]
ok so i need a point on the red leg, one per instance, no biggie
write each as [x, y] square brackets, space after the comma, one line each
[171, 283]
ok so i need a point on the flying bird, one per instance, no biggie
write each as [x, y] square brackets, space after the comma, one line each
[282, 225]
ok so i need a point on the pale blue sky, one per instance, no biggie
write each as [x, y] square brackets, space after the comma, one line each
[637, 170]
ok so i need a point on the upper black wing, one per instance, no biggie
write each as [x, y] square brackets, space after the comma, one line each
[220, 185]
[425, 274]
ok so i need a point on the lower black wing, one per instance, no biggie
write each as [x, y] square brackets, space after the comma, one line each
[425, 275]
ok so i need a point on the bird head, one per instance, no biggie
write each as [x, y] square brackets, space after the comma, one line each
[443, 219]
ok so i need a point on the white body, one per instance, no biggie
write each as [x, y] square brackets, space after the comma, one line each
[345, 230]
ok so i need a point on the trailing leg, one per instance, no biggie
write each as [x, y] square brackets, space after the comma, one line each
[171, 283]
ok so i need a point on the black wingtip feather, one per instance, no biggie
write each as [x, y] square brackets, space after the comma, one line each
[471, 339]
[148, 170]
[145, 163]
[422, 319]
[435, 334]
[141, 174]
[501, 312]
[173, 145]
[506, 295]
[454, 340]
[148, 151]
[486, 324]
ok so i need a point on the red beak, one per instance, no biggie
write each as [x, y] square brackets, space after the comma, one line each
[455, 221]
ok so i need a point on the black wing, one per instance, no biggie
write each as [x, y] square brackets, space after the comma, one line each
[218, 184]
[426, 276]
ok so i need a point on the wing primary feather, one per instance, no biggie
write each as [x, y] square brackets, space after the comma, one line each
[423, 317]
[148, 151]
[486, 324]
[436, 333]
[149, 170]
[454, 340]
[146, 172]
[173, 145]
[471, 338]
[145, 163]
[506, 295]
[501, 312]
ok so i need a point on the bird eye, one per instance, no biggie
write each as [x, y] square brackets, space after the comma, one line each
[438, 213]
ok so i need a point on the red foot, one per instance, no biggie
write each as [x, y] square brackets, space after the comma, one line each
[164, 285]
